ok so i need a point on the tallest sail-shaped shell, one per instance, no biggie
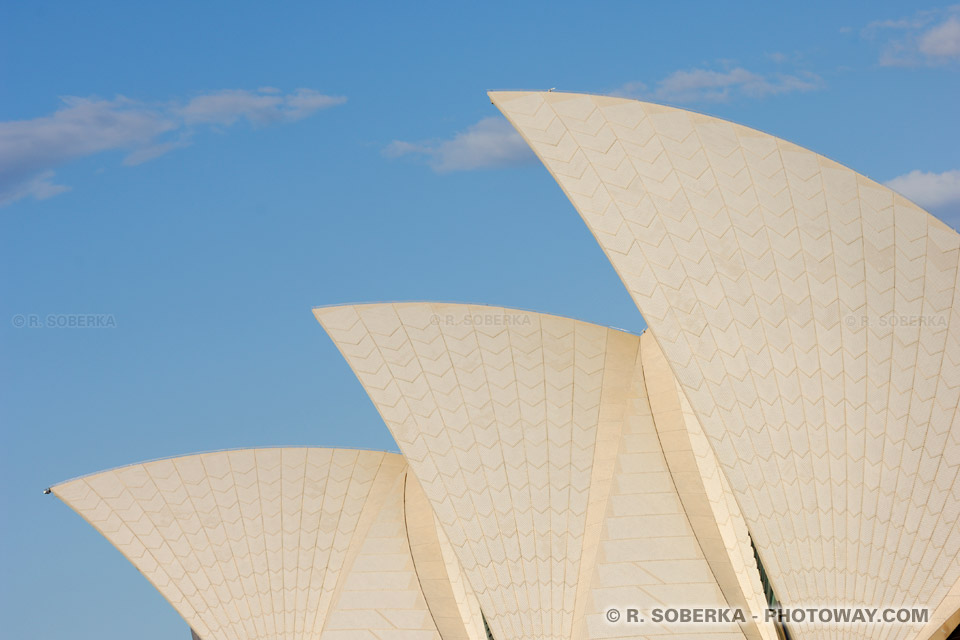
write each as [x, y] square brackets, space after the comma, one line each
[811, 318]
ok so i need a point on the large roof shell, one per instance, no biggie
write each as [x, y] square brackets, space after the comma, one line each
[562, 491]
[811, 318]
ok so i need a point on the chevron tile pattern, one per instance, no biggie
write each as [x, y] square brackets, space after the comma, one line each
[452, 602]
[291, 543]
[534, 441]
[810, 317]
[380, 595]
[707, 498]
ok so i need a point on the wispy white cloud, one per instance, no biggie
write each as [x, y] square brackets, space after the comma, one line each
[712, 85]
[938, 192]
[266, 106]
[31, 149]
[929, 37]
[153, 151]
[39, 186]
[493, 143]
[81, 127]
[942, 41]
[488, 144]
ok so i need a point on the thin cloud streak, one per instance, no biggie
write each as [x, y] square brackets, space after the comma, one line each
[927, 38]
[938, 192]
[493, 143]
[40, 187]
[490, 143]
[30, 150]
[266, 107]
[708, 85]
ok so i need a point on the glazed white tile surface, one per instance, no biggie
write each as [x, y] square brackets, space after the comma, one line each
[452, 602]
[706, 496]
[380, 594]
[533, 439]
[290, 543]
[810, 317]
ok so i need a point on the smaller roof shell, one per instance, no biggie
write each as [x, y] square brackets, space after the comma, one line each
[284, 543]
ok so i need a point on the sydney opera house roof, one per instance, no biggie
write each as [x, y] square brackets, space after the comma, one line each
[811, 318]
[786, 430]
[284, 543]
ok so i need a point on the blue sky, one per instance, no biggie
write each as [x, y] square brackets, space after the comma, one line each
[197, 176]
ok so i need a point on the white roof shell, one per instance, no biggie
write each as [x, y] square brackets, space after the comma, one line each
[811, 318]
[563, 466]
[291, 543]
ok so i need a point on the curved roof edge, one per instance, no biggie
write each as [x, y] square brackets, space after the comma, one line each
[274, 542]
[184, 456]
[344, 305]
[752, 259]
[496, 96]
